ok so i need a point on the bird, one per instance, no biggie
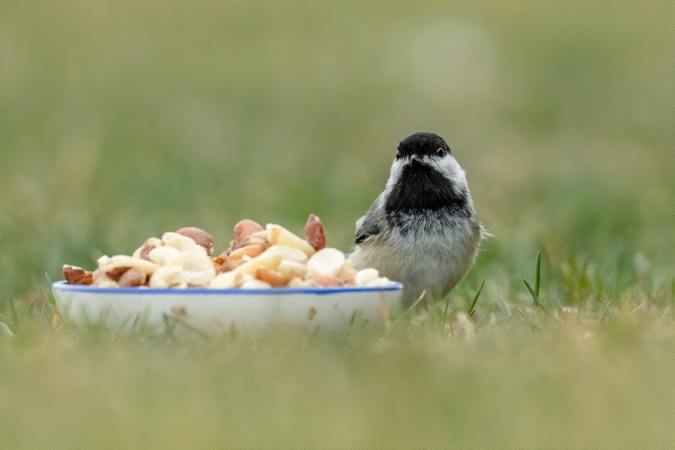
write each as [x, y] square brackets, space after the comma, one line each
[423, 229]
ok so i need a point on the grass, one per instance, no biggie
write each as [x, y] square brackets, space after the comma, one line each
[516, 378]
[118, 122]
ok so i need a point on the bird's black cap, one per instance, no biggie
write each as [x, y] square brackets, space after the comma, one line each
[420, 186]
[421, 143]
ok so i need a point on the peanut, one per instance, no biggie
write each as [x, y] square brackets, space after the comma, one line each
[243, 230]
[200, 236]
[133, 278]
[273, 277]
[314, 232]
[292, 269]
[143, 252]
[250, 250]
[323, 280]
[117, 272]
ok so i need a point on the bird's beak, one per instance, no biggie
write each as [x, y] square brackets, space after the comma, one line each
[416, 160]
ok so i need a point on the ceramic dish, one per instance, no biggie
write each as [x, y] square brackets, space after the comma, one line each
[217, 310]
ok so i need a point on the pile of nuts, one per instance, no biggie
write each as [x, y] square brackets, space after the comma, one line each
[257, 258]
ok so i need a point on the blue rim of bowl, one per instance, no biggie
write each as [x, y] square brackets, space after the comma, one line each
[64, 286]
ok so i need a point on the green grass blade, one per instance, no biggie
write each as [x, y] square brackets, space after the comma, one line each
[472, 309]
[535, 299]
[537, 275]
[531, 289]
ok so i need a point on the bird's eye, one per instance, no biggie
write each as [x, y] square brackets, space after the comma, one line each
[399, 155]
[441, 152]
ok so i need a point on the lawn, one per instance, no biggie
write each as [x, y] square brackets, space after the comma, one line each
[121, 120]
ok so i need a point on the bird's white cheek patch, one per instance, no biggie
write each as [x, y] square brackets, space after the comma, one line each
[396, 170]
[451, 169]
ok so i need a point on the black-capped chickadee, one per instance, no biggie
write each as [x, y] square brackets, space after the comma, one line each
[422, 230]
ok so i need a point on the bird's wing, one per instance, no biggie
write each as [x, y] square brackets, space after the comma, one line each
[367, 226]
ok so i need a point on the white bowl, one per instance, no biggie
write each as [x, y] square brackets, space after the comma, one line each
[216, 310]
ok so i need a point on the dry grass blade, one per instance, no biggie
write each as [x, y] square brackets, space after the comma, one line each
[415, 304]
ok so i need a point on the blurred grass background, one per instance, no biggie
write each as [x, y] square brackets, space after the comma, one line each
[121, 120]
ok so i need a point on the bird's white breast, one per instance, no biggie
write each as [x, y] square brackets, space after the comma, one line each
[425, 252]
